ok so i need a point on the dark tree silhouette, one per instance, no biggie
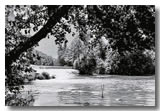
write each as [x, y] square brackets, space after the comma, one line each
[55, 13]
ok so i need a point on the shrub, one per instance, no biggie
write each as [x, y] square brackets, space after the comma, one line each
[46, 75]
[136, 63]
[86, 66]
[16, 99]
[40, 77]
[53, 77]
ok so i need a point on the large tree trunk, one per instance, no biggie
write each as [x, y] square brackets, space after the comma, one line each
[55, 16]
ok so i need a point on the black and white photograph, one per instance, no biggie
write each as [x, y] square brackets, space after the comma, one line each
[80, 55]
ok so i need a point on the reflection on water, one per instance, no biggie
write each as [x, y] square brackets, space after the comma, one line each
[75, 90]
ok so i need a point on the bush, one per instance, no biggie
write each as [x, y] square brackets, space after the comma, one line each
[40, 77]
[86, 66]
[46, 75]
[16, 99]
[53, 77]
[136, 63]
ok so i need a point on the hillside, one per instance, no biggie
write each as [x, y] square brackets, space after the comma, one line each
[42, 59]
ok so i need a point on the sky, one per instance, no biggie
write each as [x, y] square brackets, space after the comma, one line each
[48, 46]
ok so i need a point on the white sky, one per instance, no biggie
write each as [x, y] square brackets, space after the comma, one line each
[48, 46]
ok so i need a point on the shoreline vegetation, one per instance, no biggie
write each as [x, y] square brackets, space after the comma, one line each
[21, 98]
[38, 76]
[108, 39]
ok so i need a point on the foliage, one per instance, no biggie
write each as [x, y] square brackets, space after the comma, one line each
[20, 23]
[129, 30]
[15, 22]
[61, 54]
[44, 76]
[69, 54]
[16, 99]
[136, 63]
[107, 58]
[40, 58]
[86, 65]
[51, 15]
[124, 26]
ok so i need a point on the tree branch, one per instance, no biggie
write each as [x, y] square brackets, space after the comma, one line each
[42, 33]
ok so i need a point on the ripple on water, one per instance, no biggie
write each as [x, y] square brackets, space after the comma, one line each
[74, 90]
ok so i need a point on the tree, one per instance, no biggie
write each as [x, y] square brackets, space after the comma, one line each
[20, 23]
[130, 28]
[125, 25]
[54, 15]
[135, 64]
[74, 51]
[127, 28]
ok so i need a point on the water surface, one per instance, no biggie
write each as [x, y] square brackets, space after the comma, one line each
[71, 89]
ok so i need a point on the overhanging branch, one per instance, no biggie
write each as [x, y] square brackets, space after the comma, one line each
[42, 33]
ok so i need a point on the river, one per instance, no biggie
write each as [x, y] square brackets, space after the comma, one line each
[71, 89]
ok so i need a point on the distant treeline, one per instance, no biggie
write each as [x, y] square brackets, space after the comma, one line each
[39, 58]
